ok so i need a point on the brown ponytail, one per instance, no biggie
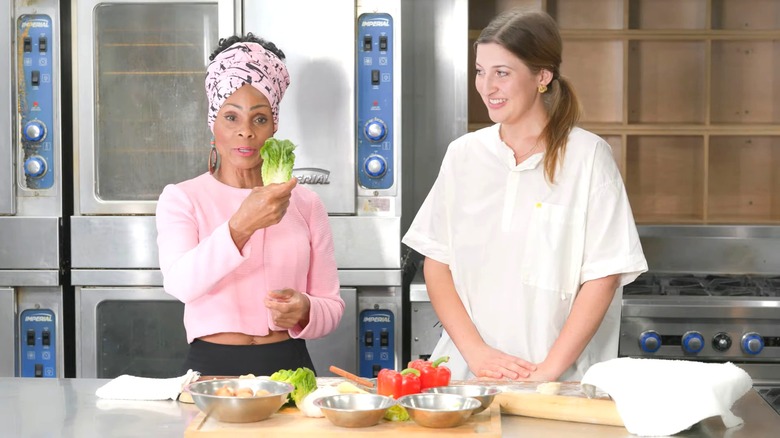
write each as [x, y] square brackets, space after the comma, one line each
[564, 110]
[534, 38]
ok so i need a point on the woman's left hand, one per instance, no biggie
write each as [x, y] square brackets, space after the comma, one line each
[288, 307]
[543, 373]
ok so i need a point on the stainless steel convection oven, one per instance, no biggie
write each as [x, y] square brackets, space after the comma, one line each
[138, 69]
[139, 124]
[31, 300]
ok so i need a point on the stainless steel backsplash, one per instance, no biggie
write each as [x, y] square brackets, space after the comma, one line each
[722, 249]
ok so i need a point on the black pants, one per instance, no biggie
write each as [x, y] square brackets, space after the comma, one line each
[234, 360]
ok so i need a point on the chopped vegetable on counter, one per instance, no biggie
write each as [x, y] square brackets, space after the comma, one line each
[396, 413]
[432, 374]
[278, 161]
[349, 388]
[394, 384]
[303, 379]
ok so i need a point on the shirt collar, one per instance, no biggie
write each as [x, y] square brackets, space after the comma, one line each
[505, 153]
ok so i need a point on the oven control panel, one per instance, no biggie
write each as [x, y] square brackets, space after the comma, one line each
[711, 338]
[376, 136]
[35, 101]
[37, 343]
[376, 341]
[712, 317]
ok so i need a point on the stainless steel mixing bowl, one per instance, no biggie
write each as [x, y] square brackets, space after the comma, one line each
[231, 409]
[485, 394]
[354, 410]
[439, 410]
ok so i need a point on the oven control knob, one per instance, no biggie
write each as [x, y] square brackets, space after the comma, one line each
[35, 166]
[376, 130]
[752, 343]
[375, 166]
[692, 342]
[649, 341]
[34, 131]
[721, 341]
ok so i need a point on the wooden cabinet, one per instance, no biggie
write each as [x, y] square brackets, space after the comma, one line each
[687, 92]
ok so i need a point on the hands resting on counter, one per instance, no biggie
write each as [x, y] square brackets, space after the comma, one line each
[492, 363]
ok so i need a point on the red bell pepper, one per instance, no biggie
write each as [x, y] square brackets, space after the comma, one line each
[432, 374]
[394, 384]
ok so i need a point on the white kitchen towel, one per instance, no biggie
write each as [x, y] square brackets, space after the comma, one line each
[656, 397]
[127, 387]
[168, 408]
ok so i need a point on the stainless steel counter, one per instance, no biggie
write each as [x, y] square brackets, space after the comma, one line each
[69, 408]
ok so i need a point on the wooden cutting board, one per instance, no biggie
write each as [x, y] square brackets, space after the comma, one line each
[290, 423]
[569, 404]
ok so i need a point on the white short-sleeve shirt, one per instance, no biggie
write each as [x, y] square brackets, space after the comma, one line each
[519, 248]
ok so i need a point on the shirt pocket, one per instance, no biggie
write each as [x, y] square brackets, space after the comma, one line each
[552, 258]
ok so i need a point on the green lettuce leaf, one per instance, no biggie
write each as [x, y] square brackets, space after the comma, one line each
[396, 413]
[303, 379]
[278, 160]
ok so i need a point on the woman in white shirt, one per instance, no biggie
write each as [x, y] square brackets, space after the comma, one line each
[527, 232]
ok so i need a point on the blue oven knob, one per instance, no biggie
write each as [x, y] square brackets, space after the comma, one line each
[649, 341]
[752, 343]
[376, 130]
[375, 166]
[35, 166]
[34, 131]
[692, 342]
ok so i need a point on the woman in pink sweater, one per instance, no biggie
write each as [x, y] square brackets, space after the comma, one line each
[252, 263]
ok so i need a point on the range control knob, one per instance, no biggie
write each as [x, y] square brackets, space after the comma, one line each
[721, 341]
[752, 343]
[649, 341]
[692, 342]
[375, 166]
[35, 166]
[375, 130]
[34, 131]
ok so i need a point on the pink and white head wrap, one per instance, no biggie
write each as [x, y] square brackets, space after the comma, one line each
[245, 63]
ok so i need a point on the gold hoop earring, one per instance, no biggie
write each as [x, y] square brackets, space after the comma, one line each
[542, 88]
[213, 159]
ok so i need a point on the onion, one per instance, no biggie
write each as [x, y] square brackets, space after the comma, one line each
[308, 408]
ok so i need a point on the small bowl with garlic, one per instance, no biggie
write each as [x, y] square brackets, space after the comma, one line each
[239, 400]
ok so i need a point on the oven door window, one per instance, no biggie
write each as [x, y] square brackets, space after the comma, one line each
[140, 338]
[150, 104]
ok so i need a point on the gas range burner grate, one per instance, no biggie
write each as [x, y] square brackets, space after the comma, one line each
[726, 281]
[657, 284]
[735, 291]
[683, 286]
[773, 282]
[771, 286]
[772, 396]
[683, 282]
[645, 284]
[691, 291]
[641, 289]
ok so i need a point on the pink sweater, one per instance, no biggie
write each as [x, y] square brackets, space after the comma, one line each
[223, 289]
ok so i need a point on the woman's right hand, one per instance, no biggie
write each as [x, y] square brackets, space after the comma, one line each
[265, 206]
[492, 363]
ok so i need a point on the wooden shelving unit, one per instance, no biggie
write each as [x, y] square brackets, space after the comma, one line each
[687, 93]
